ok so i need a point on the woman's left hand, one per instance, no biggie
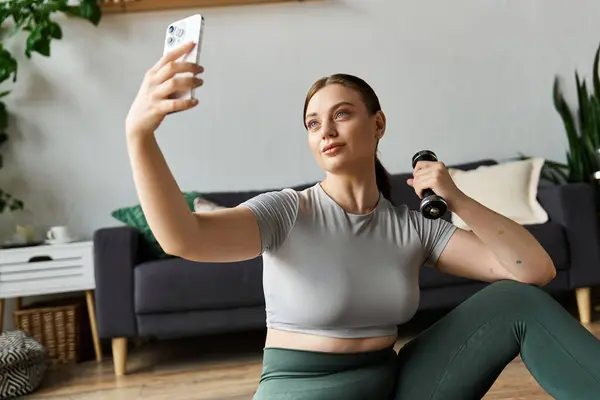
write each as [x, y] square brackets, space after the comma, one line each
[434, 175]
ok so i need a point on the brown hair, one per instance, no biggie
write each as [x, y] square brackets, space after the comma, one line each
[371, 101]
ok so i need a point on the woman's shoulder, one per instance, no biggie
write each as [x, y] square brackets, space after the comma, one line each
[303, 198]
[282, 199]
[276, 212]
[407, 216]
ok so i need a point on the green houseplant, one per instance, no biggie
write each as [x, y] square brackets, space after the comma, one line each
[582, 128]
[34, 18]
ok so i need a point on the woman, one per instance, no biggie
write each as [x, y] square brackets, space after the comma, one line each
[341, 264]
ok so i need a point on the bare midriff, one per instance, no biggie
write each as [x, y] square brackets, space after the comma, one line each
[301, 341]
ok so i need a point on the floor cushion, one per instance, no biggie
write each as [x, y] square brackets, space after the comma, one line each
[23, 363]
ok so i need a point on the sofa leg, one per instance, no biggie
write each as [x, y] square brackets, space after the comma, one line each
[119, 351]
[584, 304]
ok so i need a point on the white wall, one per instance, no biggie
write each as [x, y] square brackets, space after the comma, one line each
[467, 78]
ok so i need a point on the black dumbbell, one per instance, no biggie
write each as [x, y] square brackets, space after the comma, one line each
[432, 206]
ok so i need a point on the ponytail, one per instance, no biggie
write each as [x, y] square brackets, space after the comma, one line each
[384, 183]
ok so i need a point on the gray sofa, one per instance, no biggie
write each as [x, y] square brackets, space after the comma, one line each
[138, 296]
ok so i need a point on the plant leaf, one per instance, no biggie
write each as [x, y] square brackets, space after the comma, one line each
[42, 46]
[561, 106]
[3, 117]
[596, 74]
[574, 175]
[90, 10]
[590, 164]
[581, 98]
[54, 30]
[555, 170]
[33, 17]
[16, 204]
[34, 36]
[8, 65]
[594, 121]
[4, 14]
[556, 164]
[74, 11]
[552, 176]
[562, 174]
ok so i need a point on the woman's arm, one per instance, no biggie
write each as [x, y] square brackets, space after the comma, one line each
[220, 236]
[497, 248]
[226, 235]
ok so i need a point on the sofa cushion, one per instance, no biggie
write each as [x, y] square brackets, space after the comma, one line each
[133, 215]
[551, 236]
[203, 205]
[175, 285]
[509, 188]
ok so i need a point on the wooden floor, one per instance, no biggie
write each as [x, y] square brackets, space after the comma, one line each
[224, 367]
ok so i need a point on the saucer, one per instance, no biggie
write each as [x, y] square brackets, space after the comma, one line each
[59, 241]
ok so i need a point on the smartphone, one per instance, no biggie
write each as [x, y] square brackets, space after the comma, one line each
[180, 32]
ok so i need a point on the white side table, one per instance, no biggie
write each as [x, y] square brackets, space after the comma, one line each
[48, 269]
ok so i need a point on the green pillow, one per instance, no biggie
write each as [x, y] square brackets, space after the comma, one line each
[134, 216]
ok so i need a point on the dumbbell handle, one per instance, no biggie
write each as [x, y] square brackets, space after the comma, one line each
[427, 193]
[432, 206]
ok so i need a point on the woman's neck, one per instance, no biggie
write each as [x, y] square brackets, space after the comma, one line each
[355, 194]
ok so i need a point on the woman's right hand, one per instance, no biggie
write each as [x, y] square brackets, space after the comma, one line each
[152, 103]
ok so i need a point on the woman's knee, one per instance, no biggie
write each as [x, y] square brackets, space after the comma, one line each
[520, 296]
[513, 286]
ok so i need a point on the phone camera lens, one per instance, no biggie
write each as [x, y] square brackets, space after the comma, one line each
[171, 29]
[170, 40]
[179, 32]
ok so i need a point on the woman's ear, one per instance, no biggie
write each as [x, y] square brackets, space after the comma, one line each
[380, 124]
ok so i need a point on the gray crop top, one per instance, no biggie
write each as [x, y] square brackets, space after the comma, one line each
[329, 272]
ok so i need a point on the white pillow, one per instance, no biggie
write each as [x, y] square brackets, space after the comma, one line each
[203, 205]
[509, 188]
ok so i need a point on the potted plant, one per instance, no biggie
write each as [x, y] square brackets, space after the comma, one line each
[34, 17]
[582, 128]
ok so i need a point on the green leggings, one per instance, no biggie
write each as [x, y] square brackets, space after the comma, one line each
[459, 357]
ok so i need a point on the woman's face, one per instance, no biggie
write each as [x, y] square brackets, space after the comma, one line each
[342, 135]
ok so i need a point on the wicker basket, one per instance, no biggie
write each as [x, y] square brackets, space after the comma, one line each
[56, 327]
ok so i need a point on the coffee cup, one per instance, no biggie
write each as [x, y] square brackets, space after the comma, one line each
[59, 234]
